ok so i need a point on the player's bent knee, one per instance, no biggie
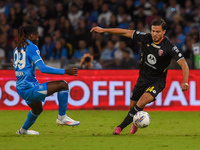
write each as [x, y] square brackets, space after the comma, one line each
[64, 85]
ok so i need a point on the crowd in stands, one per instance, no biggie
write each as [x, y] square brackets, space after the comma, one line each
[64, 28]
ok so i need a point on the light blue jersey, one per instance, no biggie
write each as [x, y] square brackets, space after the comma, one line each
[24, 64]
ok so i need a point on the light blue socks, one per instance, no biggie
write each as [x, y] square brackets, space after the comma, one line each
[30, 120]
[63, 101]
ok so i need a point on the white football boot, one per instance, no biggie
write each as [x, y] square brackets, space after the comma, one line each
[28, 132]
[65, 120]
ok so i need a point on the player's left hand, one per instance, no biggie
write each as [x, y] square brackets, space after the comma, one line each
[72, 71]
[184, 86]
[97, 29]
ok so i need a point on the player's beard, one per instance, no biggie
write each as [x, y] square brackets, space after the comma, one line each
[156, 41]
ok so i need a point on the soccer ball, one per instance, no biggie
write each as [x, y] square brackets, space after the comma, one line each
[141, 119]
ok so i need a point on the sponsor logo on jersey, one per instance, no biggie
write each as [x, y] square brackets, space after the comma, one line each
[160, 52]
[177, 51]
[19, 73]
[174, 48]
[156, 46]
[151, 59]
[142, 33]
[137, 32]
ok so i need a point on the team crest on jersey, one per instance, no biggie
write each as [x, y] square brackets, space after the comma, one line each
[38, 52]
[40, 86]
[160, 52]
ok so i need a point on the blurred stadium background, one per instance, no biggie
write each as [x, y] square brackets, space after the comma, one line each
[64, 32]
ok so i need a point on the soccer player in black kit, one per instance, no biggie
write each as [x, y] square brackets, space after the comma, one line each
[156, 55]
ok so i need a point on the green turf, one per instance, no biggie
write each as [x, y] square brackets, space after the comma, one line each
[167, 131]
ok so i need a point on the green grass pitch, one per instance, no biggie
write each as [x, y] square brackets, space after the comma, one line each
[167, 131]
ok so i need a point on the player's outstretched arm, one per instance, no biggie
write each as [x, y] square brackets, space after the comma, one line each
[185, 70]
[47, 69]
[118, 31]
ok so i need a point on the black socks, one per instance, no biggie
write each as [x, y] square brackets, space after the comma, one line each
[129, 117]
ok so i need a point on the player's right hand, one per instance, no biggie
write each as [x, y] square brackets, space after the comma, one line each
[184, 86]
[97, 29]
[72, 71]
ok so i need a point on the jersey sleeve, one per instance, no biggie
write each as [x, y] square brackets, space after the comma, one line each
[34, 53]
[177, 55]
[47, 69]
[141, 36]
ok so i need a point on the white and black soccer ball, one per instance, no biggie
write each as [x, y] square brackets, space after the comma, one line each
[141, 119]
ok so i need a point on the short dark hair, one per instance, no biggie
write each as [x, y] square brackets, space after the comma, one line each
[159, 22]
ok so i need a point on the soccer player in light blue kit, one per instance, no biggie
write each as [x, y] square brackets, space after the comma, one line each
[26, 58]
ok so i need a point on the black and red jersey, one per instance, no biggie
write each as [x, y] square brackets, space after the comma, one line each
[156, 58]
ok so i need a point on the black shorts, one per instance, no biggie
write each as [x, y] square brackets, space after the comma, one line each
[148, 86]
